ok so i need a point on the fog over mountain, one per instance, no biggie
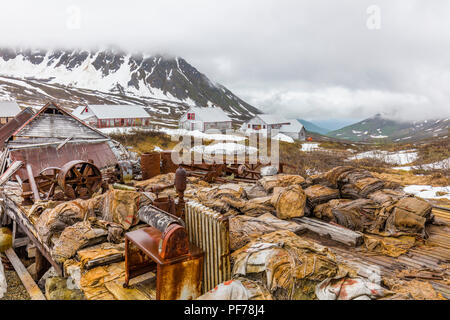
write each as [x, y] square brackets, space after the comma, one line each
[305, 59]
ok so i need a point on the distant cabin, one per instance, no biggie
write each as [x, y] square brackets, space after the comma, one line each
[8, 110]
[203, 119]
[295, 130]
[265, 122]
[110, 116]
[268, 122]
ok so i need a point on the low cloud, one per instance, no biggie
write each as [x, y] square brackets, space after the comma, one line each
[312, 59]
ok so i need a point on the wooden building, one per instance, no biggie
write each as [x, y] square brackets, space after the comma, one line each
[295, 130]
[8, 110]
[203, 119]
[53, 137]
[110, 116]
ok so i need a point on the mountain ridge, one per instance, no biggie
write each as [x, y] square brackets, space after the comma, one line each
[165, 80]
[378, 128]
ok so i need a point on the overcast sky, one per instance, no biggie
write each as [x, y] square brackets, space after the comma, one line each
[313, 59]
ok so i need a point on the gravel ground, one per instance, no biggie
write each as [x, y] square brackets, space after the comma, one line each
[16, 290]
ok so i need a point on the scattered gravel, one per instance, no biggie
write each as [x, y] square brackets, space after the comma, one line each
[16, 290]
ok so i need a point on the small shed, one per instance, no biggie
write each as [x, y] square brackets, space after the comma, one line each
[203, 119]
[295, 130]
[107, 116]
[8, 110]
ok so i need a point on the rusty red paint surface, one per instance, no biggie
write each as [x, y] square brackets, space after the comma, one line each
[43, 157]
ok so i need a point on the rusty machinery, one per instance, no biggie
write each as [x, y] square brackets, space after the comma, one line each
[163, 247]
[75, 179]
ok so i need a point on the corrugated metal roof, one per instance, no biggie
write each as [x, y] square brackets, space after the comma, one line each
[9, 109]
[272, 118]
[53, 107]
[111, 112]
[295, 126]
[8, 129]
[212, 114]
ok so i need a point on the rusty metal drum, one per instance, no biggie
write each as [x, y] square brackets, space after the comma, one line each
[150, 165]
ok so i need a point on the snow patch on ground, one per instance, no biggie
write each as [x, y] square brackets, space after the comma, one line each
[444, 164]
[428, 192]
[308, 147]
[224, 148]
[400, 157]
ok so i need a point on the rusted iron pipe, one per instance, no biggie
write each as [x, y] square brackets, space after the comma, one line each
[33, 184]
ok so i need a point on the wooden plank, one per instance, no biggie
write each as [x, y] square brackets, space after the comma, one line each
[21, 242]
[10, 171]
[13, 212]
[28, 282]
[337, 233]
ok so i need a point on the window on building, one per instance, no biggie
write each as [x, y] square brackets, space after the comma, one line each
[191, 116]
[264, 126]
[249, 125]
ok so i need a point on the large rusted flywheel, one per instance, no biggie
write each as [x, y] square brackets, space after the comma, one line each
[79, 179]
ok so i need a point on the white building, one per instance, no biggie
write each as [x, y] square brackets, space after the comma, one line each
[106, 116]
[295, 130]
[203, 119]
[265, 122]
[268, 122]
[8, 110]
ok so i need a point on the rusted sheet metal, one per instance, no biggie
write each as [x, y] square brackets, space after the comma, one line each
[210, 231]
[150, 165]
[178, 264]
[8, 129]
[48, 156]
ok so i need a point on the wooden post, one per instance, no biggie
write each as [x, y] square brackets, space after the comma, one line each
[28, 282]
[42, 265]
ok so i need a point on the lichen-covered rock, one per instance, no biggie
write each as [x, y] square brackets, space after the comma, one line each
[56, 289]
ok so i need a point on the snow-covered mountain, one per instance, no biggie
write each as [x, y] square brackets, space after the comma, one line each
[379, 127]
[165, 83]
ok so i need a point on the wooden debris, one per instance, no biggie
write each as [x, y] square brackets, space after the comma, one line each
[335, 232]
[28, 282]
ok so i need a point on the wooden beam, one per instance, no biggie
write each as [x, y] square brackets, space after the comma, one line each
[10, 171]
[28, 282]
[16, 216]
[42, 265]
[335, 232]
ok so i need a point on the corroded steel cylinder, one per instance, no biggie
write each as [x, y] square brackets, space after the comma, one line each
[167, 165]
[180, 179]
[150, 165]
[155, 218]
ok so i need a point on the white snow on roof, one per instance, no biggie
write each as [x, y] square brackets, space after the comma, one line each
[209, 114]
[112, 112]
[295, 126]
[272, 118]
[9, 108]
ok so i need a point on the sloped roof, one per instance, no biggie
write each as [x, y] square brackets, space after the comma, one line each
[272, 118]
[210, 114]
[9, 109]
[54, 106]
[112, 111]
[295, 126]
[8, 129]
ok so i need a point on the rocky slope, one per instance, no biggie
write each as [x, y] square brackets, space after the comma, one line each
[168, 85]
